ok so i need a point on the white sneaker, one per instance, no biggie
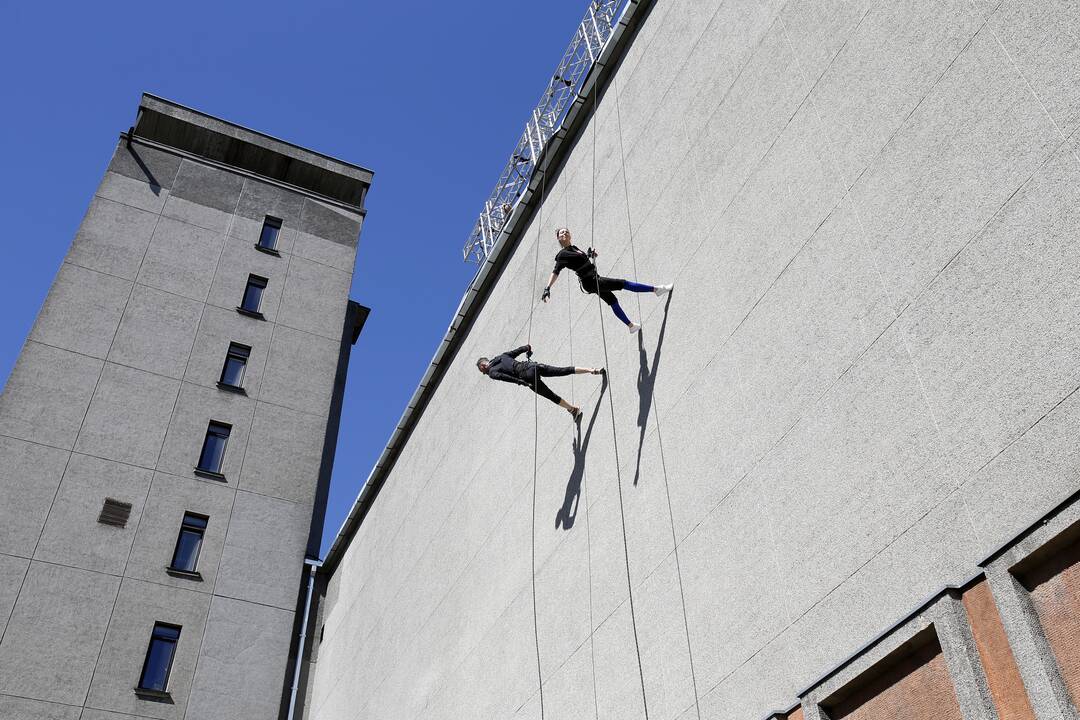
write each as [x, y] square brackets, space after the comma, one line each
[663, 289]
[633, 327]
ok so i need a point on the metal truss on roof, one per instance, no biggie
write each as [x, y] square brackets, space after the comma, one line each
[547, 118]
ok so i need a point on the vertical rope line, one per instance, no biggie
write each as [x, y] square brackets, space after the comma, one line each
[583, 491]
[611, 406]
[655, 412]
[536, 432]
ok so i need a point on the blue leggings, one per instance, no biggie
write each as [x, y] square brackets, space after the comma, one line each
[606, 287]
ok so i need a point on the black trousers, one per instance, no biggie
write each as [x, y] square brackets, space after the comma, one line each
[605, 287]
[535, 371]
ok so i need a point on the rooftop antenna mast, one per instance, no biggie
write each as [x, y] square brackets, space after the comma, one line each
[547, 118]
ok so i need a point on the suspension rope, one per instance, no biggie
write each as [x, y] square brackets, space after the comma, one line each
[611, 406]
[667, 491]
[536, 432]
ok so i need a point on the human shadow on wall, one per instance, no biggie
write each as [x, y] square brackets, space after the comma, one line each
[568, 512]
[646, 384]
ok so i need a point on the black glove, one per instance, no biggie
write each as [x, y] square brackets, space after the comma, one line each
[546, 294]
[591, 253]
[528, 352]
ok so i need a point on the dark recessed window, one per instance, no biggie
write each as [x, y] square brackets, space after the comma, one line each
[232, 374]
[253, 293]
[189, 543]
[159, 658]
[213, 449]
[268, 238]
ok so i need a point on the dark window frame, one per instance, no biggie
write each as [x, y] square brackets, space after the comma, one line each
[221, 430]
[236, 351]
[253, 281]
[162, 632]
[195, 523]
[270, 248]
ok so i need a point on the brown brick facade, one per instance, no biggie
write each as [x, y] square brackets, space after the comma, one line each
[913, 686]
[1002, 675]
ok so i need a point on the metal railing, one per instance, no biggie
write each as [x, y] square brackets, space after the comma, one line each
[547, 118]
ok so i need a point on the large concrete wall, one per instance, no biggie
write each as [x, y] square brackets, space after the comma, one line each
[111, 397]
[863, 383]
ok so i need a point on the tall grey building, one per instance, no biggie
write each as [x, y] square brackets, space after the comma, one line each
[167, 434]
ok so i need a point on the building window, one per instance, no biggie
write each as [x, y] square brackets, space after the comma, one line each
[188, 544]
[253, 293]
[268, 238]
[213, 449]
[159, 658]
[232, 374]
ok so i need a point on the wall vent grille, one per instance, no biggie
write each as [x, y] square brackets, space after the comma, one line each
[114, 512]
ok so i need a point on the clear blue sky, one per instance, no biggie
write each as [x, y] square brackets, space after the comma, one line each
[432, 96]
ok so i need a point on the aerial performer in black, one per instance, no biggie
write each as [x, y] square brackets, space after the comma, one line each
[580, 261]
[507, 368]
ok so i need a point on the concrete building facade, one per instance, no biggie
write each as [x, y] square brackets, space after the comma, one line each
[167, 434]
[861, 394]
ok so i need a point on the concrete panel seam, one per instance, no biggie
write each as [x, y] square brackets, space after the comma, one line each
[182, 381]
[1028, 85]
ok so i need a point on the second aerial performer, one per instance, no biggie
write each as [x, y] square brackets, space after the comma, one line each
[580, 261]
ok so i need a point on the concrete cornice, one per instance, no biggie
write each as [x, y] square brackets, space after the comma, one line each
[174, 125]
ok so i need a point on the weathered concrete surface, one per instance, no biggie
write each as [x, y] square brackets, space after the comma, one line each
[865, 381]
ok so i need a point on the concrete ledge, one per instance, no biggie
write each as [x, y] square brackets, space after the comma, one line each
[183, 128]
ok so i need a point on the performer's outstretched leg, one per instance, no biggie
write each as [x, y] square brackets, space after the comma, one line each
[553, 371]
[539, 370]
[609, 297]
[637, 287]
[642, 287]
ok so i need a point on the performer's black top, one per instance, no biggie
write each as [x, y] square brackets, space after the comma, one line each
[504, 367]
[577, 260]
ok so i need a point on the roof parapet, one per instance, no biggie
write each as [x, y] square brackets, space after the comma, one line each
[177, 126]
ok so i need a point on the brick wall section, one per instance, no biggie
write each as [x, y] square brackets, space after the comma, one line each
[916, 687]
[1055, 593]
[1006, 685]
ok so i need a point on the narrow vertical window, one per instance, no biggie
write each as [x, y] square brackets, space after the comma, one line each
[159, 658]
[268, 238]
[232, 373]
[189, 543]
[253, 293]
[213, 449]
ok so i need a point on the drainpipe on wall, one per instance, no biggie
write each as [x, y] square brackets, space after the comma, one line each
[312, 565]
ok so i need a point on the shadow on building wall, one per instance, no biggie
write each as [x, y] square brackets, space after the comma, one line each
[646, 383]
[568, 512]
